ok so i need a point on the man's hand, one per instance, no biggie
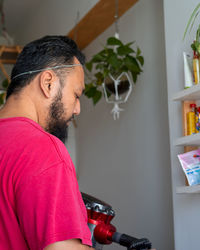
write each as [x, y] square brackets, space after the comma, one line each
[73, 244]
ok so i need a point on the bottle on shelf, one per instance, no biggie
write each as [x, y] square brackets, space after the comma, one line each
[191, 120]
[198, 120]
[188, 72]
[196, 68]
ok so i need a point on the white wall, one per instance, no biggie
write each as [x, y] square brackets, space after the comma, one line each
[127, 162]
[186, 207]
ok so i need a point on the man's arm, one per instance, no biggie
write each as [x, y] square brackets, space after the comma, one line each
[73, 244]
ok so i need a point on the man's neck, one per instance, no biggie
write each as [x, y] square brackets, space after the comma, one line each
[19, 107]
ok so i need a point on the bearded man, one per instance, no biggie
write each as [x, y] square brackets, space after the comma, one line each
[40, 203]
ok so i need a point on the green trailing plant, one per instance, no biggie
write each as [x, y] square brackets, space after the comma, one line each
[114, 59]
[196, 44]
[4, 85]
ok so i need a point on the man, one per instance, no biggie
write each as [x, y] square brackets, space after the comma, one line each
[40, 204]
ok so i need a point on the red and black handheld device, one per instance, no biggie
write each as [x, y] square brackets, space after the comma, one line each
[103, 232]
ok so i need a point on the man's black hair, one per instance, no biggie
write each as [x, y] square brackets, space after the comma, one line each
[45, 52]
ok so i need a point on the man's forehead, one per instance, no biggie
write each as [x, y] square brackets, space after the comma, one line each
[76, 77]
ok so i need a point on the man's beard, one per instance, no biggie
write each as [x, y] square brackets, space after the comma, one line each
[56, 124]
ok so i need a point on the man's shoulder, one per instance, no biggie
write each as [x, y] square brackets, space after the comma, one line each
[29, 151]
[44, 141]
[25, 135]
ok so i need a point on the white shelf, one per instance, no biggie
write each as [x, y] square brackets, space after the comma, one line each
[188, 189]
[192, 93]
[189, 140]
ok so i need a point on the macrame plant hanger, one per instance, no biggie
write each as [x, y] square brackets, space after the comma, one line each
[117, 98]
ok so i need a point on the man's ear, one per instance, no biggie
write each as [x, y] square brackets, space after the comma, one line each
[47, 83]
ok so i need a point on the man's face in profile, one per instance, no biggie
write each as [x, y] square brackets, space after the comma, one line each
[66, 103]
[57, 125]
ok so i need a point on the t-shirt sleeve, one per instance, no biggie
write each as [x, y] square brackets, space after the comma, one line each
[51, 208]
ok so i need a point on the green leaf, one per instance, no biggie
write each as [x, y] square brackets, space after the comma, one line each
[5, 83]
[109, 52]
[197, 46]
[98, 58]
[114, 61]
[194, 21]
[105, 72]
[138, 51]
[124, 50]
[198, 34]
[114, 41]
[88, 86]
[129, 44]
[193, 47]
[134, 76]
[88, 65]
[100, 66]
[102, 52]
[90, 92]
[193, 16]
[141, 60]
[99, 76]
[97, 97]
[132, 64]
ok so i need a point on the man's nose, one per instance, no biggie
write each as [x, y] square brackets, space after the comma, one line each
[77, 108]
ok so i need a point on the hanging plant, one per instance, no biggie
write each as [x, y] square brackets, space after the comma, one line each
[113, 60]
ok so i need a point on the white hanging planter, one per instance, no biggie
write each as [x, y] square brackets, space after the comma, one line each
[117, 87]
[115, 57]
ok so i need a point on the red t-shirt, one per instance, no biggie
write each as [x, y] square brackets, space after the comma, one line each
[40, 202]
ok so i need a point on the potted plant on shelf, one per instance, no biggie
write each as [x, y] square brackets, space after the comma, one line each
[113, 62]
[196, 43]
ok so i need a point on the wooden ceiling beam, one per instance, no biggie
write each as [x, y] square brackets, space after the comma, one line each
[97, 20]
